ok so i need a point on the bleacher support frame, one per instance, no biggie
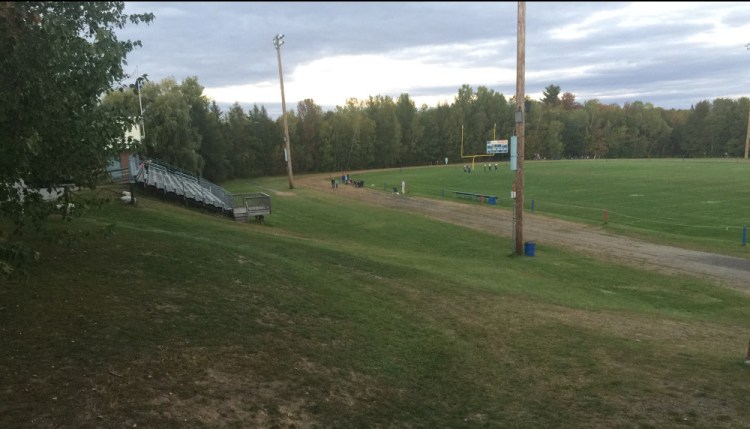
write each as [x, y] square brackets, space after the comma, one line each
[173, 181]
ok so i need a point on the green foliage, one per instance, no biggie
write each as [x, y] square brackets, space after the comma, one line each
[310, 154]
[15, 255]
[575, 133]
[243, 154]
[351, 136]
[551, 95]
[381, 132]
[268, 137]
[412, 151]
[214, 148]
[171, 134]
[387, 145]
[56, 60]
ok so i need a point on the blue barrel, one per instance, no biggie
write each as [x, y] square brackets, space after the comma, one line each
[529, 248]
[492, 200]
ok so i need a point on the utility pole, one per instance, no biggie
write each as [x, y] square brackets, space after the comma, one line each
[520, 125]
[139, 85]
[747, 139]
[277, 42]
[142, 134]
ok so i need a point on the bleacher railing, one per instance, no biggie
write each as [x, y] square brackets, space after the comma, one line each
[161, 175]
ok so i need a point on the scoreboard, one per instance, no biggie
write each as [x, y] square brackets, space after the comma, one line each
[497, 146]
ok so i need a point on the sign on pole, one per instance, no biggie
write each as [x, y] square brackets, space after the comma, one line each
[497, 146]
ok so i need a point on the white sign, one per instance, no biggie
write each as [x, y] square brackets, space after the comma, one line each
[497, 146]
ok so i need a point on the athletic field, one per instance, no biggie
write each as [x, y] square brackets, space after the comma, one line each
[700, 204]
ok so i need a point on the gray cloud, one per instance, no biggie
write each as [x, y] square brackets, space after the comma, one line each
[654, 56]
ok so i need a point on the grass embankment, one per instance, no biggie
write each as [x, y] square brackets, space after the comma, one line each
[699, 204]
[333, 314]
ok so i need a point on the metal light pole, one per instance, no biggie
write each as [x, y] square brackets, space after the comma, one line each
[138, 85]
[747, 139]
[277, 42]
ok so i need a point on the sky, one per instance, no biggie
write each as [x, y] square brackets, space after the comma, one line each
[672, 55]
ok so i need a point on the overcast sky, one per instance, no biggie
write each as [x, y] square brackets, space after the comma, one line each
[672, 55]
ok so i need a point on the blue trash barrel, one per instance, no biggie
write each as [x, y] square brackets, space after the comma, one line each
[493, 200]
[529, 248]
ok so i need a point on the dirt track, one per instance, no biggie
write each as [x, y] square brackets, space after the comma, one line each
[545, 231]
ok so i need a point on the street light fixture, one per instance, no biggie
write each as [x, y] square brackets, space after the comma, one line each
[278, 40]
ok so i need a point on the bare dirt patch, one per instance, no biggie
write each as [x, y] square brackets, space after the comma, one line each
[589, 240]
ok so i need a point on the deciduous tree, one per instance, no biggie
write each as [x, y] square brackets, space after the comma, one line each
[56, 61]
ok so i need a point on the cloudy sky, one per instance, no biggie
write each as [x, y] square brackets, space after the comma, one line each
[672, 55]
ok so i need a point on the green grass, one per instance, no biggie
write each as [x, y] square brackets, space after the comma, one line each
[334, 314]
[699, 204]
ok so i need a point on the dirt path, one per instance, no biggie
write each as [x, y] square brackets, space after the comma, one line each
[589, 240]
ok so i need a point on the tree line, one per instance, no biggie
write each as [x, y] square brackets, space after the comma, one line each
[186, 129]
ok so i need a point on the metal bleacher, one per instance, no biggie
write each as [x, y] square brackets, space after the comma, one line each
[160, 176]
[170, 180]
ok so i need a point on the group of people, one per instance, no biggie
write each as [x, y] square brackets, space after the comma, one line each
[347, 180]
[487, 167]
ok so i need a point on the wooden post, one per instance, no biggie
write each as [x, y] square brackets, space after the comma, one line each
[747, 139]
[520, 124]
[287, 149]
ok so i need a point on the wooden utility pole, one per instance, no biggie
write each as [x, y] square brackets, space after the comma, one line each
[277, 42]
[520, 124]
[747, 139]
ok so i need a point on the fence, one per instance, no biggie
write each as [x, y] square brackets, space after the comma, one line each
[245, 206]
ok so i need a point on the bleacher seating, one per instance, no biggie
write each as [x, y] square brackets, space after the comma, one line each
[169, 179]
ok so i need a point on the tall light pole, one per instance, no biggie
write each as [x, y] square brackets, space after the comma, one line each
[277, 42]
[747, 139]
[139, 85]
[520, 125]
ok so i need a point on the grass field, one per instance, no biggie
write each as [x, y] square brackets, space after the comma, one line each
[698, 204]
[338, 315]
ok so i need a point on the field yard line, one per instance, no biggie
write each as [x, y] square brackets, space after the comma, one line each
[589, 240]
